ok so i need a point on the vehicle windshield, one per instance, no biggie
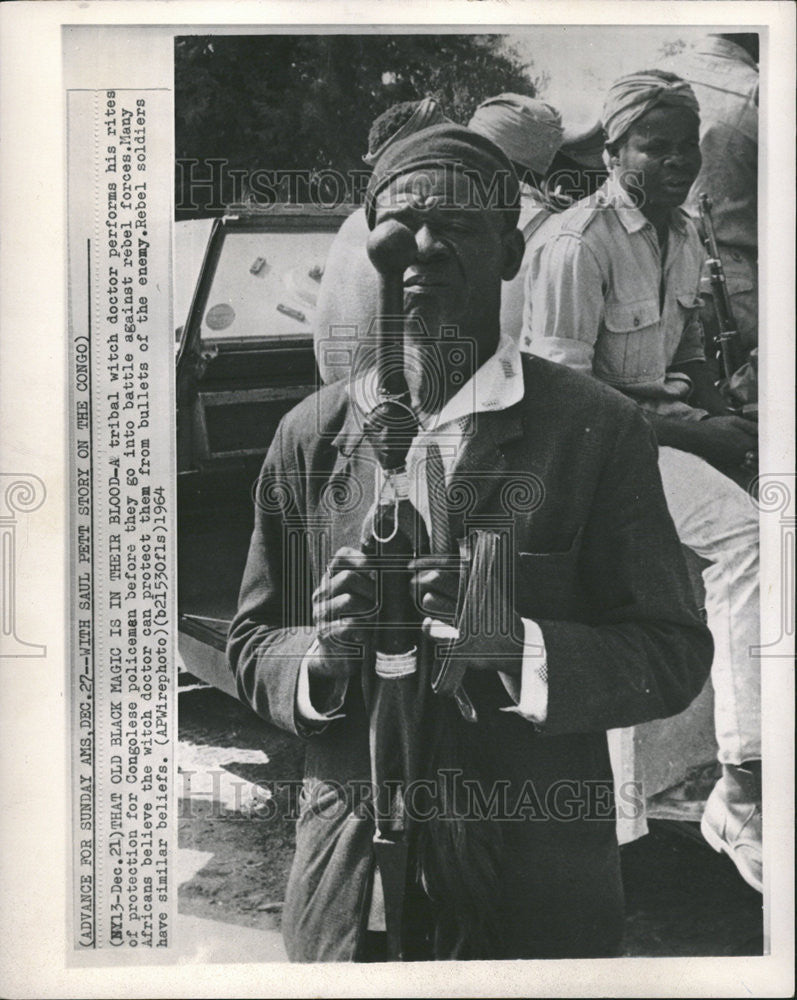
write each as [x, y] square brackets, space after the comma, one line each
[265, 285]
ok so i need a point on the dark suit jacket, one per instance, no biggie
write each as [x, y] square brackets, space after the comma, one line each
[598, 565]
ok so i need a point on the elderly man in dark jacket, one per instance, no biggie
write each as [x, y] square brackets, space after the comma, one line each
[603, 631]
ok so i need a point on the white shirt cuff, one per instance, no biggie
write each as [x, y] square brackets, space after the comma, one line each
[530, 693]
[304, 705]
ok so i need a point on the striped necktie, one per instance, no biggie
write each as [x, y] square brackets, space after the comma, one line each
[441, 543]
[440, 533]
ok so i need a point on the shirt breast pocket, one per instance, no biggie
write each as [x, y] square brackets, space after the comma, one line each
[547, 584]
[741, 275]
[684, 335]
[689, 302]
[630, 350]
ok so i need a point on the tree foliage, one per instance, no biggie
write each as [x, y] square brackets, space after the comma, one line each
[306, 102]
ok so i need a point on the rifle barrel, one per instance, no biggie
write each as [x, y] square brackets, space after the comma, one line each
[728, 333]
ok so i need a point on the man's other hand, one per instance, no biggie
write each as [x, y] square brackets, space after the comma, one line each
[726, 441]
[435, 584]
[344, 604]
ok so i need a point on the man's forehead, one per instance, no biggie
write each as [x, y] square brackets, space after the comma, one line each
[666, 121]
[428, 188]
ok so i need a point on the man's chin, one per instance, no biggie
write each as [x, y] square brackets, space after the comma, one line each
[671, 196]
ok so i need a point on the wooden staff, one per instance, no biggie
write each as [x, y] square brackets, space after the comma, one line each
[396, 690]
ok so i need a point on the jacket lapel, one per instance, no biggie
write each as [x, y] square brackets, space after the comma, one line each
[347, 495]
[482, 468]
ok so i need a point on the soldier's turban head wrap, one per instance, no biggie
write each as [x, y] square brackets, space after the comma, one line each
[632, 96]
[529, 131]
[492, 182]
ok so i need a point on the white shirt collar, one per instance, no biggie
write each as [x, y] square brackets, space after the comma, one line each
[497, 385]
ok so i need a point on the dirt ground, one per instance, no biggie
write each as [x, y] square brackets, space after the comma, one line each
[681, 897]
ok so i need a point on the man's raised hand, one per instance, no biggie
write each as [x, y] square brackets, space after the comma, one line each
[344, 604]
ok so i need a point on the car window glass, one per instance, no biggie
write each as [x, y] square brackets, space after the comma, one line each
[265, 285]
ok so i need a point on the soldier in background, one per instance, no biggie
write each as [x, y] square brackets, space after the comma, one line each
[612, 291]
[578, 169]
[557, 163]
[530, 132]
[723, 72]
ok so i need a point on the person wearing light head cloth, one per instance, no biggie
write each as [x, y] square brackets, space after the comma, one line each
[723, 71]
[632, 97]
[581, 155]
[347, 296]
[612, 291]
[512, 847]
[529, 131]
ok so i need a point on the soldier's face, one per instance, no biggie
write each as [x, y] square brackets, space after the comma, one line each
[660, 157]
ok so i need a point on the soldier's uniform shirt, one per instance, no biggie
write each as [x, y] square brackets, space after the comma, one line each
[535, 213]
[600, 299]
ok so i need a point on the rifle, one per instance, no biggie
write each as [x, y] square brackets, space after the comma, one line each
[728, 334]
